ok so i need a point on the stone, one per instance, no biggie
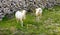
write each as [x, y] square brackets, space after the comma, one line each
[11, 6]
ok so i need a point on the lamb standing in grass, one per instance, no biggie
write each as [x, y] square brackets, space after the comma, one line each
[20, 16]
[38, 13]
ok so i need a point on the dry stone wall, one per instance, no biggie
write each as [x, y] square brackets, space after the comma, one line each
[8, 7]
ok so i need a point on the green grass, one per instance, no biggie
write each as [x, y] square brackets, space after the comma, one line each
[49, 24]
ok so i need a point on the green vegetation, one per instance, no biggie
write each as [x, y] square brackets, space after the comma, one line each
[49, 24]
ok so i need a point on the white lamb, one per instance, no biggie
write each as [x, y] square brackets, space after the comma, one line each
[20, 16]
[38, 13]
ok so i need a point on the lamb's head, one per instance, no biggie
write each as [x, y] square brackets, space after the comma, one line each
[24, 11]
[39, 10]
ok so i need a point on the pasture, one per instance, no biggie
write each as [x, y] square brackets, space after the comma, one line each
[49, 24]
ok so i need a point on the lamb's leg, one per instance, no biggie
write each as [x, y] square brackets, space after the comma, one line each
[40, 16]
[24, 17]
[17, 20]
[21, 22]
[37, 19]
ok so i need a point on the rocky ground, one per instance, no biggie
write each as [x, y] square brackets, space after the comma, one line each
[49, 24]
